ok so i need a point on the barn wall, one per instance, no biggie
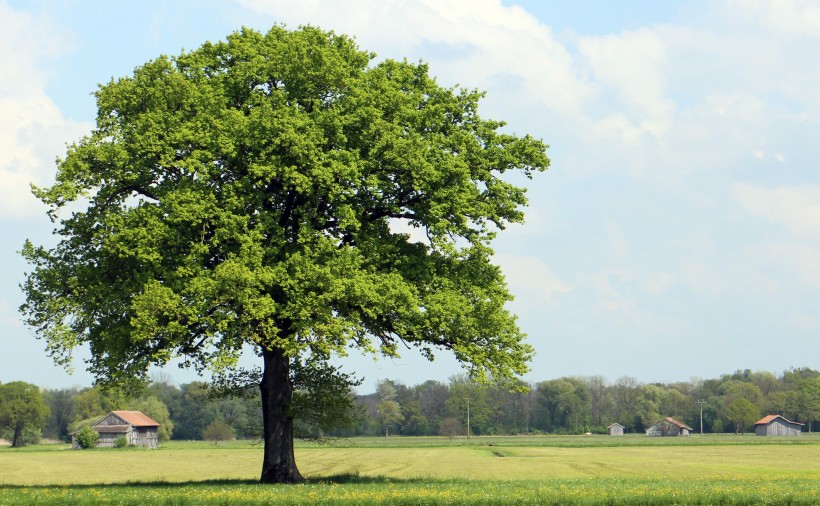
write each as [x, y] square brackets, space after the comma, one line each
[656, 430]
[146, 436]
[108, 439]
[778, 427]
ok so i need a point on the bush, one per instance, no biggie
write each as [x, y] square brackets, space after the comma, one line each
[217, 431]
[87, 437]
[121, 442]
[32, 436]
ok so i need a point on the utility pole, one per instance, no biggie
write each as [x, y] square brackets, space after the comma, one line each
[468, 418]
[701, 402]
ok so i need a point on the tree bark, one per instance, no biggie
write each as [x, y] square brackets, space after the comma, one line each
[17, 440]
[279, 463]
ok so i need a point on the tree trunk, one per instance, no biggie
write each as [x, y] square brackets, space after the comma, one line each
[17, 440]
[279, 463]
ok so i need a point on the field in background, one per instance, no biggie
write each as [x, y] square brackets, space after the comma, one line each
[724, 469]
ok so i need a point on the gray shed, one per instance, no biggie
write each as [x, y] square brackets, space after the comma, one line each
[776, 425]
[137, 428]
[668, 427]
[616, 429]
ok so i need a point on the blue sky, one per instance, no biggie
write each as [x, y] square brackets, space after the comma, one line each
[676, 235]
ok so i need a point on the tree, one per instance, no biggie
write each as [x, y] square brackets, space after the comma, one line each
[742, 412]
[62, 411]
[563, 405]
[450, 427]
[256, 192]
[217, 431]
[21, 408]
[808, 400]
[389, 414]
[433, 397]
[626, 393]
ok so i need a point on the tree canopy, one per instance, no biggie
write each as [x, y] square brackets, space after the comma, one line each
[258, 192]
[21, 407]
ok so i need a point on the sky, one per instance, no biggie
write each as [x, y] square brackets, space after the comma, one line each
[676, 234]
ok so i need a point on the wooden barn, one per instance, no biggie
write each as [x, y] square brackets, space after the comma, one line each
[616, 429]
[137, 428]
[776, 425]
[668, 427]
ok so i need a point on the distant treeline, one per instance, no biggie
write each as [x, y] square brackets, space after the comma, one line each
[569, 405]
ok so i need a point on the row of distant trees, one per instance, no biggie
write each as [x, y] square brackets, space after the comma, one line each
[190, 411]
[570, 405]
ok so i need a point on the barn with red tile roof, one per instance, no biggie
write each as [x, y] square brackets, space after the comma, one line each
[137, 428]
[776, 425]
[669, 427]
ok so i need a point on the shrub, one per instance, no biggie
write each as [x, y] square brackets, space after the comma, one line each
[87, 437]
[217, 431]
[32, 436]
[121, 442]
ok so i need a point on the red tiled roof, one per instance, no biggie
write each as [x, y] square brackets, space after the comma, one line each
[136, 418]
[770, 418]
[681, 425]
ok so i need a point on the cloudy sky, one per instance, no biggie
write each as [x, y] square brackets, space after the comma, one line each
[676, 234]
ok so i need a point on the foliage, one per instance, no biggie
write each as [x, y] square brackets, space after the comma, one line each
[254, 192]
[217, 431]
[743, 413]
[562, 404]
[576, 404]
[22, 409]
[157, 411]
[95, 402]
[808, 399]
[61, 404]
[121, 442]
[450, 427]
[389, 414]
[322, 404]
[87, 437]
[77, 425]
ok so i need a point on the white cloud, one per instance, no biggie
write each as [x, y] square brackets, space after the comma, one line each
[662, 101]
[794, 18]
[33, 131]
[475, 43]
[531, 280]
[657, 283]
[631, 66]
[795, 208]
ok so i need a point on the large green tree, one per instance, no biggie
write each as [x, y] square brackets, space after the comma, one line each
[21, 407]
[743, 413]
[258, 192]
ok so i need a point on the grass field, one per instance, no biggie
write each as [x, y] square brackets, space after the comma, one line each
[740, 470]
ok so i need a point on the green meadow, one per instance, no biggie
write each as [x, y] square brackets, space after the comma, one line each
[726, 469]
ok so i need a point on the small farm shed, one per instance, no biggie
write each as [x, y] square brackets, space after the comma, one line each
[616, 429]
[776, 425]
[137, 428]
[668, 427]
